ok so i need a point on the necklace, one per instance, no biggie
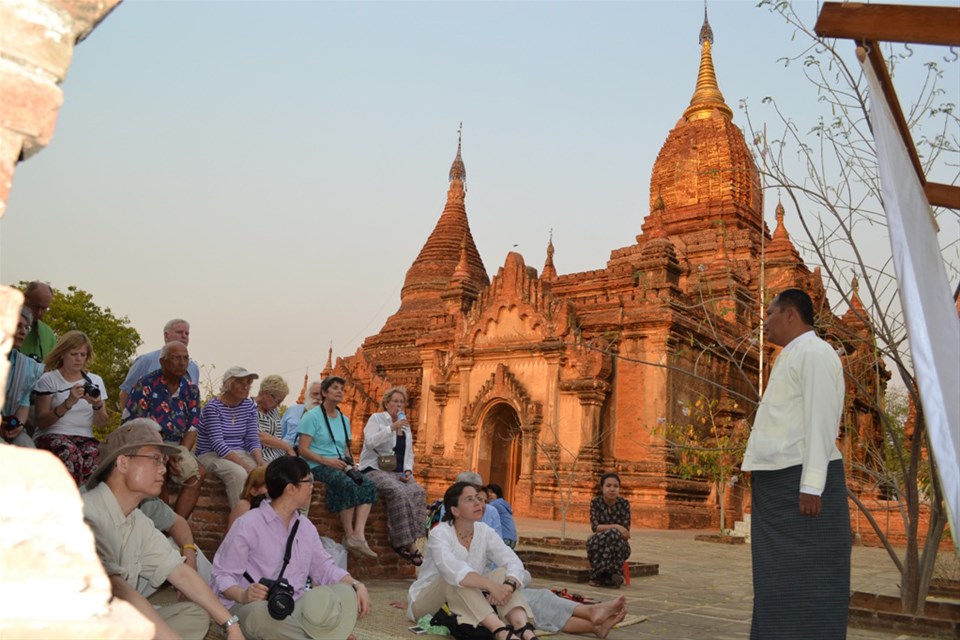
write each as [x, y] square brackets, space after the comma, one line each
[465, 538]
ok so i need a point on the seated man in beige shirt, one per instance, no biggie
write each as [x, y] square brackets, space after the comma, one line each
[133, 552]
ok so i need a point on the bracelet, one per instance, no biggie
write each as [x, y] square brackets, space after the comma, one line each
[97, 408]
[512, 584]
[189, 545]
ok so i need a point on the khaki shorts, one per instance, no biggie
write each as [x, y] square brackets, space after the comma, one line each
[189, 467]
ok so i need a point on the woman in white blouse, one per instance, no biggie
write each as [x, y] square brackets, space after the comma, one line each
[454, 571]
[387, 459]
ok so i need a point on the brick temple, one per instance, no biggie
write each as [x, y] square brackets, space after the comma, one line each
[541, 381]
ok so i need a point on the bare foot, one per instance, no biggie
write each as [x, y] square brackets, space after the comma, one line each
[603, 629]
[602, 611]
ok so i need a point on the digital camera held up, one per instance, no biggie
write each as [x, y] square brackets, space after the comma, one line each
[279, 597]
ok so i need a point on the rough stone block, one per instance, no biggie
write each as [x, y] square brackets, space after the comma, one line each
[36, 35]
[31, 103]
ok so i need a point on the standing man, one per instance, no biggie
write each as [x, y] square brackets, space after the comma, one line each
[254, 548]
[169, 398]
[176, 329]
[40, 341]
[133, 552]
[800, 523]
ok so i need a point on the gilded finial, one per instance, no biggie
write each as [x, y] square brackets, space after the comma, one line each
[706, 33]
[855, 285]
[707, 96]
[458, 171]
[549, 271]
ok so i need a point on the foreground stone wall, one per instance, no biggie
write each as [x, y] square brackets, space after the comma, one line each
[49, 557]
[209, 524]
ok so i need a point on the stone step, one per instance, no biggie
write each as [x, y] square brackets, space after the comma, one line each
[570, 568]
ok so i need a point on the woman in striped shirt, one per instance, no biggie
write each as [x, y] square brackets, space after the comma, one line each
[228, 441]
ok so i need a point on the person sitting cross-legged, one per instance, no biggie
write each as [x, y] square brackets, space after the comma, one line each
[276, 541]
[134, 553]
[455, 571]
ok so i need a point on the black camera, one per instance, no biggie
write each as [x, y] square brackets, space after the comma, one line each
[354, 474]
[279, 597]
[91, 389]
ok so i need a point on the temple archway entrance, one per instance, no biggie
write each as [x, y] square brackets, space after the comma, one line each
[500, 455]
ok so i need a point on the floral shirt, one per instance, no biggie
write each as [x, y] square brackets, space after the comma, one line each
[176, 413]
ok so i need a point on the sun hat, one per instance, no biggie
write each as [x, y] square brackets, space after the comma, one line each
[130, 436]
[237, 372]
[329, 611]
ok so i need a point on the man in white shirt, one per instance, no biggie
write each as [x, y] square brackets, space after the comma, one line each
[800, 522]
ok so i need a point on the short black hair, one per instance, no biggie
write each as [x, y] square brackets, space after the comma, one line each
[495, 489]
[283, 471]
[799, 300]
[328, 382]
[452, 496]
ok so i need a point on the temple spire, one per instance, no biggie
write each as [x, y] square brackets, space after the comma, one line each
[707, 96]
[549, 271]
[303, 391]
[328, 368]
[458, 171]
[462, 272]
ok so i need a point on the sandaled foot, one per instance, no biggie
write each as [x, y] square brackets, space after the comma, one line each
[412, 556]
[527, 632]
[507, 631]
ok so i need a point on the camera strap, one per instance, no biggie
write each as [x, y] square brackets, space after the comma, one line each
[346, 436]
[286, 554]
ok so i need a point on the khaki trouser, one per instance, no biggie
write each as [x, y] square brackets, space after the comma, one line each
[469, 605]
[257, 623]
[187, 619]
[231, 474]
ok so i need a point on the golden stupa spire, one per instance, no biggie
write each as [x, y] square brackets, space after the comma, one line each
[328, 368]
[707, 96]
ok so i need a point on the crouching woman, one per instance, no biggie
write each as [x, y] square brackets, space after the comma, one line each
[276, 541]
[454, 571]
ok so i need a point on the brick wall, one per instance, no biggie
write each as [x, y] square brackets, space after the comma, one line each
[209, 524]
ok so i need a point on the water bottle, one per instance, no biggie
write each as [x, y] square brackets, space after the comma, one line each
[401, 415]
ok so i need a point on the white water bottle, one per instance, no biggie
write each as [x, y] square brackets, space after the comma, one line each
[401, 415]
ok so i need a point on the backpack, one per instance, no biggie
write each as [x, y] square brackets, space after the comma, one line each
[433, 514]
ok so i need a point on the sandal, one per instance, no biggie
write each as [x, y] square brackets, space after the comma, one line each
[519, 631]
[511, 634]
[413, 557]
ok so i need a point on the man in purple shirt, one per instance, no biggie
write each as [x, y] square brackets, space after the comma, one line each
[254, 548]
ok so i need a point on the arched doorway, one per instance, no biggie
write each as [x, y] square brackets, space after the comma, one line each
[499, 458]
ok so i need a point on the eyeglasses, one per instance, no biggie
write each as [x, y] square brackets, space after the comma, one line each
[307, 481]
[158, 459]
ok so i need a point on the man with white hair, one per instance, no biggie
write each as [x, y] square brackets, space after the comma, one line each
[175, 330]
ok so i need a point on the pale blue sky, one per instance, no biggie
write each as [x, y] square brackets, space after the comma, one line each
[270, 170]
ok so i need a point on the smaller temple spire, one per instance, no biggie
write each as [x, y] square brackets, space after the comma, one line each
[781, 230]
[549, 271]
[458, 171]
[462, 272]
[303, 390]
[328, 368]
[707, 96]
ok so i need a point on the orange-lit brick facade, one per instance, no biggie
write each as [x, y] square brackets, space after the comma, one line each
[542, 381]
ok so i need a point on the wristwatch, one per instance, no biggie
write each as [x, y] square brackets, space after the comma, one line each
[232, 620]
[356, 584]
